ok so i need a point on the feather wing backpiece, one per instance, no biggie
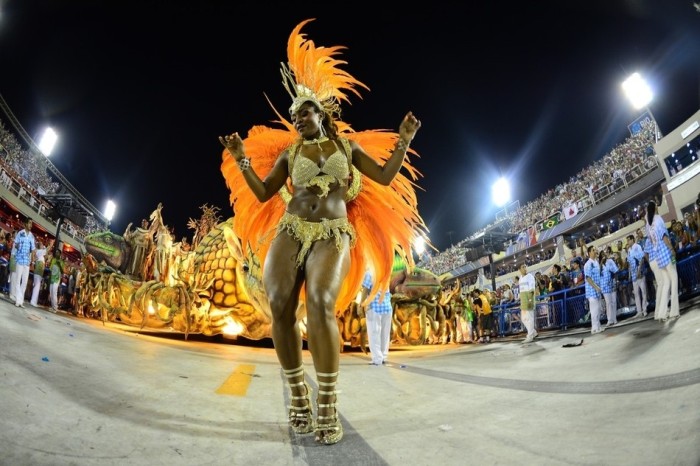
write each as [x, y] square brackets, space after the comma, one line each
[385, 218]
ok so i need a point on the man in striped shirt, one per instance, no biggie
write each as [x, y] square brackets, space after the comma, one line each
[378, 321]
[635, 261]
[23, 249]
[591, 270]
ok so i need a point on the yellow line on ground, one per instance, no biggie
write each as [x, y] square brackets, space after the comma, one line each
[238, 382]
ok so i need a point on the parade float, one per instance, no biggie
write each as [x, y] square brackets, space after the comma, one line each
[213, 286]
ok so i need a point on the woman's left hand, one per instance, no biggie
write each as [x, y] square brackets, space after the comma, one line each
[409, 127]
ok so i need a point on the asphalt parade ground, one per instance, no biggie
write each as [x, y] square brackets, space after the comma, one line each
[76, 391]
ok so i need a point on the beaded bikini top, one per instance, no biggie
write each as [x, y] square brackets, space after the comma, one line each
[307, 173]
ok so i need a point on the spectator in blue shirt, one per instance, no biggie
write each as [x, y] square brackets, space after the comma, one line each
[576, 275]
[665, 261]
[4, 272]
[608, 270]
[23, 248]
[591, 271]
[378, 321]
[635, 261]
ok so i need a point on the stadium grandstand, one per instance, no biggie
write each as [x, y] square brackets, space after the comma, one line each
[596, 202]
[32, 187]
[600, 206]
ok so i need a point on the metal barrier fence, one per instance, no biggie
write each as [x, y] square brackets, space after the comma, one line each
[569, 308]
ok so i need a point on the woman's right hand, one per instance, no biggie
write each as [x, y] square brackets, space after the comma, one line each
[234, 145]
[409, 127]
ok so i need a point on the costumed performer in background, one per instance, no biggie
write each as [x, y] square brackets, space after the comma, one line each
[316, 236]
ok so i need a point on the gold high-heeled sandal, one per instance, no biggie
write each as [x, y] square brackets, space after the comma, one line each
[328, 429]
[300, 416]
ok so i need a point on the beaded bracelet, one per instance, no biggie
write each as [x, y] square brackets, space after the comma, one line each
[402, 145]
[243, 164]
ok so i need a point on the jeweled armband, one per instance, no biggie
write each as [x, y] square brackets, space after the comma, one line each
[402, 145]
[243, 164]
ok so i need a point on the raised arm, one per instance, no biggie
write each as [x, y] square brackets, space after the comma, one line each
[386, 173]
[263, 189]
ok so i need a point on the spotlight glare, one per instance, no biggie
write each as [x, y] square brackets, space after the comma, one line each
[500, 192]
[110, 209]
[48, 141]
[637, 91]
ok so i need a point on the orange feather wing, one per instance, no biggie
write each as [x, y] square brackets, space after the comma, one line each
[385, 218]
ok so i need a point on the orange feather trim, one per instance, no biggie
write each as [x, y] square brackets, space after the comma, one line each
[385, 218]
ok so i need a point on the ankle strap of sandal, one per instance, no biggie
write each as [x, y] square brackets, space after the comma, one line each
[327, 384]
[292, 373]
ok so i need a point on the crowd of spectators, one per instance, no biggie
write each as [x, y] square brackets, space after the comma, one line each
[30, 172]
[24, 164]
[530, 259]
[624, 163]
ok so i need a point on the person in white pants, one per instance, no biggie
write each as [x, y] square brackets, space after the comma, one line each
[23, 248]
[378, 320]
[664, 257]
[591, 271]
[12, 267]
[607, 284]
[459, 305]
[39, 256]
[635, 259]
[675, 309]
[55, 281]
[526, 287]
[661, 277]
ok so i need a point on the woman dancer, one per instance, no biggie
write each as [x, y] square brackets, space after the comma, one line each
[345, 207]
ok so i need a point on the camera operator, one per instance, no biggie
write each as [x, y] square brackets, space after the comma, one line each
[558, 280]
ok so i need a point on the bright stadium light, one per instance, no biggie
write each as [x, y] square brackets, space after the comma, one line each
[640, 96]
[637, 91]
[419, 245]
[110, 209]
[48, 141]
[500, 192]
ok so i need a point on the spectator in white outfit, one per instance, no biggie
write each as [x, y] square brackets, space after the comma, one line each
[378, 320]
[54, 281]
[607, 284]
[665, 258]
[526, 286]
[23, 248]
[591, 271]
[12, 267]
[635, 261]
[39, 265]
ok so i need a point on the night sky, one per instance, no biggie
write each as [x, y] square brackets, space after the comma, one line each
[139, 90]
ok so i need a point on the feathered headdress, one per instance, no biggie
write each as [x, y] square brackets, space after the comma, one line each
[385, 218]
[312, 74]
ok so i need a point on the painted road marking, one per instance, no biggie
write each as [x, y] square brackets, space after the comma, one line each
[238, 382]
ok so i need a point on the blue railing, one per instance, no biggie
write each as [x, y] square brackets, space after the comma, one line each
[569, 308]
